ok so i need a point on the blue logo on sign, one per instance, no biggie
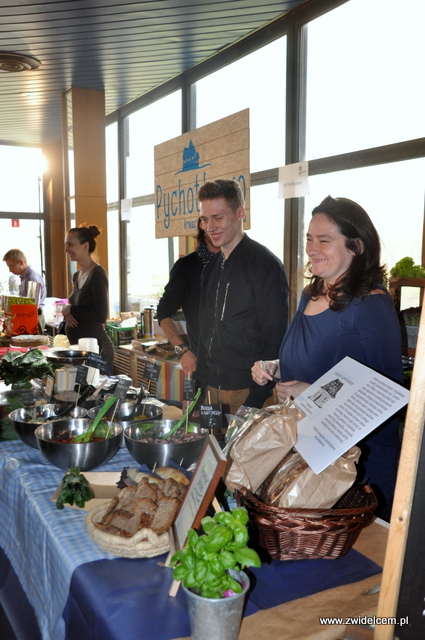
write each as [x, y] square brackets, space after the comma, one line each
[191, 159]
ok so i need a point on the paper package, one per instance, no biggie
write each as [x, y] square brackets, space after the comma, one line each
[259, 445]
[293, 484]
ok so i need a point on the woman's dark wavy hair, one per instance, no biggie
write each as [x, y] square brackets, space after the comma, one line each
[86, 233]
[365, 272]
[200, 235]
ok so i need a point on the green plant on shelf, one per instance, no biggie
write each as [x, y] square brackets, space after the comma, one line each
[406, 268]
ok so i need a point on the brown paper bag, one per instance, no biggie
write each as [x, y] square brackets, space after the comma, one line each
[260, 445]
[292, 484]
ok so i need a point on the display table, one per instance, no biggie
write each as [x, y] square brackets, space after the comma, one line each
[78, 592]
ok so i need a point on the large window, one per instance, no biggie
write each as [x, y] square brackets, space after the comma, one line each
[362, 92]
[147, 260]
[382, 192]
[146, 128]
[147, 268]
[21, 172]
[353, 80]
[364, 70]
[256, 81]
[21, 193]
[112, 176]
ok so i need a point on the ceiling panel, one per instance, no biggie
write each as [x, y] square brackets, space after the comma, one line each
[123, 48]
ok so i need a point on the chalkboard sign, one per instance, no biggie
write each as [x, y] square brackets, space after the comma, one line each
[122, 386]
[81, 375]
[211, 417]
[152, 371]
[97, 361]
[189, 389]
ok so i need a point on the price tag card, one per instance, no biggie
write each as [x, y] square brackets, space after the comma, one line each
[189, 390]
[81, 375]
[48, 391]
[152, 370]
[123, 385]
[211, 416]
[97, 361]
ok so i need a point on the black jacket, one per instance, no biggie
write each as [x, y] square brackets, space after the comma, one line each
[243, 314]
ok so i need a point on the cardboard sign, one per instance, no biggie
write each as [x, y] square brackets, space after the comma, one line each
[81, 375]
[211, 417]
[97, 361]
[152, 371]
[189, 389]
[184, 164]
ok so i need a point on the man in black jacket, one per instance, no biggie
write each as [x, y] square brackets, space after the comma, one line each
[244, 301]
[183, 291]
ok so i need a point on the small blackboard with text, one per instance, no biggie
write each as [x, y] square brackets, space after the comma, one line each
[81, 376]
[189, 389]
[211, 417]
[97, 361]
[152, 371]
[122, 386]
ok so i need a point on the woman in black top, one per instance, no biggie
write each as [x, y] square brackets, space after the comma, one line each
[87, 311]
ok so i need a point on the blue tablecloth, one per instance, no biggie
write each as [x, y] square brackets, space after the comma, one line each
[62, 571]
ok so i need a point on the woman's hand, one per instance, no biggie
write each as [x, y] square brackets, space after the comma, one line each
[70, 321]
[290, 389]
[66, 310]
[262, 375]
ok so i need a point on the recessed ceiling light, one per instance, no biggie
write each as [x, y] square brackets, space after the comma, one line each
[12, 62]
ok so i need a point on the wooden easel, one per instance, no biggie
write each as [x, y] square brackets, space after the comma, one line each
[407, 519]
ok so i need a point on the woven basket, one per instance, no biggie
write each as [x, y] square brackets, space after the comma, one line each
[299, 534]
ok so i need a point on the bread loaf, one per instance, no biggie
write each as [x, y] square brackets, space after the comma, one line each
[147, 505]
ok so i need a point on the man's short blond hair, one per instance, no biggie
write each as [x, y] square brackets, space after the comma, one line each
[15, 255]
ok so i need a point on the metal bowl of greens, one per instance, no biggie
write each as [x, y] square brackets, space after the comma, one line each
[146, 445]
[26, 420]
[146, 411]
[55, 443]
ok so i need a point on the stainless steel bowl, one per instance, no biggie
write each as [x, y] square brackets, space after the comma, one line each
[66, 356]
[86, 455]
[147, 411]
[184, 454]
[26, 420]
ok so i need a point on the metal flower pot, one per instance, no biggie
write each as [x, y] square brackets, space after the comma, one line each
[216, 619]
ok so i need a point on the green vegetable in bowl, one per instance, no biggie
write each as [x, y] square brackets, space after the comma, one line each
[74, 489]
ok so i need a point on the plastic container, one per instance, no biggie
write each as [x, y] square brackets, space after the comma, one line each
[122, 335]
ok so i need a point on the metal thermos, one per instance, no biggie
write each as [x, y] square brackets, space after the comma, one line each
[148, 317]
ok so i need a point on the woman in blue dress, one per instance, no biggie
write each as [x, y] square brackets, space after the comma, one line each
[344, 311]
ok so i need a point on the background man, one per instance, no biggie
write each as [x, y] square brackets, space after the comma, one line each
[17, 263]
[244, 301]
[183, 291]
